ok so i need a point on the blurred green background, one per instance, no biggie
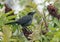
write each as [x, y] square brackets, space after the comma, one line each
[13, 33]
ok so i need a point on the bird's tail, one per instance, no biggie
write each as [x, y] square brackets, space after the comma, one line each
[11, 23]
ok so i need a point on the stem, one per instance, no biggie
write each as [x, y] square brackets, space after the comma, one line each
[44, 18]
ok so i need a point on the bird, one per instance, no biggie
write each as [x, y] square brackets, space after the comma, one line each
[25, 20]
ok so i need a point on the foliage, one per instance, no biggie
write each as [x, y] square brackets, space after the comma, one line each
[13, 33]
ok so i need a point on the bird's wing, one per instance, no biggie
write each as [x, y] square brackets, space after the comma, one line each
[24, 20]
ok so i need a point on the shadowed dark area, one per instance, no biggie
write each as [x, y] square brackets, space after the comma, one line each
[53, 11]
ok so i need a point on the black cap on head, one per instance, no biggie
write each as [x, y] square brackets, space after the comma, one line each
[31, 13]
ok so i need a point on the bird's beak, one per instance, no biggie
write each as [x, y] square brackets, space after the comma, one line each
[34, 12]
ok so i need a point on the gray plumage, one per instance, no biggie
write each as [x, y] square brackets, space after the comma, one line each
[24, 21]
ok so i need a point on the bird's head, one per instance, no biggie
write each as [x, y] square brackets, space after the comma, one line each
[31, 13]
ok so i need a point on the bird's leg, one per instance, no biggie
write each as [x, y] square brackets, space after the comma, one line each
[26, 32]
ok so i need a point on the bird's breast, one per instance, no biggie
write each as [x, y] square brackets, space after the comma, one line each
[29, 22]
